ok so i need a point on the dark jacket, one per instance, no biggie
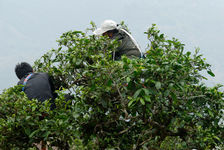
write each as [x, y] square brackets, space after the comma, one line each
[128, 45]
[39, 87]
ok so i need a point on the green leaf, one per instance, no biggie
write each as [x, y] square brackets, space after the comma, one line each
[46, 134]
[211, 73]
[216, 137]
[166, 93]
[147, 98]
[128, 79]
[34, 108]
[147, 91]
[32, 134]
[74, 60]
[78, 61]
[199, 115]
[28, 117]
[188, 53]
[158, 85]
[174, 97]
[129, 104]
[142, 101]
[137, 93]
[210, 113]
[27, 131]
[109, 83]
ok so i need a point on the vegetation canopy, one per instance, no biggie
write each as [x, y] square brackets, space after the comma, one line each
[158, 102]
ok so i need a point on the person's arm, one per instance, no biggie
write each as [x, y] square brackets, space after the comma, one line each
[133, 53]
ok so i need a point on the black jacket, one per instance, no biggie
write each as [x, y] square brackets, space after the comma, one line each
[39, 87]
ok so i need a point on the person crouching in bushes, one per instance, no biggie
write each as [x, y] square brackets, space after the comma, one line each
[128, 45]
[36, 85]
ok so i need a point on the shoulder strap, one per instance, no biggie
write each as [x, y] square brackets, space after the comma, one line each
[25, 81]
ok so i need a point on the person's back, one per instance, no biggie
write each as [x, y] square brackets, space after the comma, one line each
[36, 85]
[128, 45]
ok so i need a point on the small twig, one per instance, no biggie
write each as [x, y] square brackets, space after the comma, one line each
[121, 132]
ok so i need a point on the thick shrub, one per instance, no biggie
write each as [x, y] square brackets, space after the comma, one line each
[25, 122]
[158, 102]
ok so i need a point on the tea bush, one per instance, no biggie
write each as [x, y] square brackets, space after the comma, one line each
[158, 102]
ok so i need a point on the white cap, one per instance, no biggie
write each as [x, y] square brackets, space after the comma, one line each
[107, 25]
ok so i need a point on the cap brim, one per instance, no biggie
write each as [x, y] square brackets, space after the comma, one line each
[99, 31]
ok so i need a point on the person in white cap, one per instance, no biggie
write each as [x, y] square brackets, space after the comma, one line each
[128, 46]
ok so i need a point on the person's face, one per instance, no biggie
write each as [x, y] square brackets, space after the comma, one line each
[109, 34]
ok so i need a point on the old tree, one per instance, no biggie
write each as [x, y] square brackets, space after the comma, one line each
[158, 102]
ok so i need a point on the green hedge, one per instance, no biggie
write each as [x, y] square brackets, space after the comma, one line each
[158, 102]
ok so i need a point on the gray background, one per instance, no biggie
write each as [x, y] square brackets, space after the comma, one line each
[29, 28]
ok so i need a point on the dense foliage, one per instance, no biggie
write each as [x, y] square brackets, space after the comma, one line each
[158, 102]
